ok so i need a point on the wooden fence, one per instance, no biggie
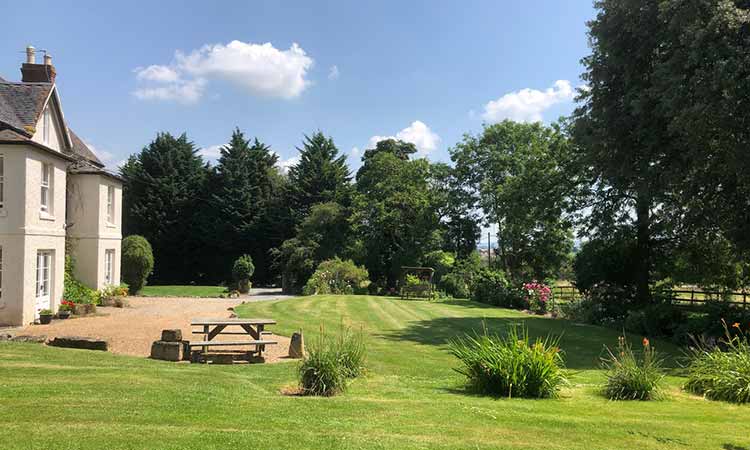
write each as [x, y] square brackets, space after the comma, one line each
[680, 296]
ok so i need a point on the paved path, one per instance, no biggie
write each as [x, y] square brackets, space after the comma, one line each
[131, 330]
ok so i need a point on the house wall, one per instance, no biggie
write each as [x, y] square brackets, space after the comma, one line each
[90, 233]
[24, 230]
[55, 133]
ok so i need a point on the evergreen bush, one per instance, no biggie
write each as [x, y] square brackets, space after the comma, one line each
[137, 262]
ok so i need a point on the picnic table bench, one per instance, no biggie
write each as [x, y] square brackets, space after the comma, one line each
[253, 328]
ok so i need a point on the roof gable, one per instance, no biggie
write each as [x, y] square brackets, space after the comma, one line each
[21, 104]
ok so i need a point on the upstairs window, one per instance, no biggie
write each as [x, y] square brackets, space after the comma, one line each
[110, 204]
[2, 182]
[46, 187]
[46, 126]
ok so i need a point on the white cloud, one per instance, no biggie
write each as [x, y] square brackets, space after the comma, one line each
[528, 105]
[181, 91]
[355, 151]
[106, 157]
[333, 73]
[212, 152]
[162, 74]
[260, 69]
[285, 164]
[417, 133]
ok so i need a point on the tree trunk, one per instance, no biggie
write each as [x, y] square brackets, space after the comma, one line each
[643, 247]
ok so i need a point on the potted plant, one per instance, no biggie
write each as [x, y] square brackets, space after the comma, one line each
[65, 308]
[242, 271]
[45, 316]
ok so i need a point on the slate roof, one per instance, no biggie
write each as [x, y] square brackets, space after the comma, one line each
[21, 104]
[20, 107]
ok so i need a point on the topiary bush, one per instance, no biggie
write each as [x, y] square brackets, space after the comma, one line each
[337, 276]
[331, 361]
[137, 262]
[242, 270]
[631, 378]
[722, 372]
[511, 365]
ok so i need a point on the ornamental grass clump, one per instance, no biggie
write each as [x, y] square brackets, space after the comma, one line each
[722, 371]
[630, 377]
[331, 361]
[511, 365]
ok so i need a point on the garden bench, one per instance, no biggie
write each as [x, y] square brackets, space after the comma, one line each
[211, 328]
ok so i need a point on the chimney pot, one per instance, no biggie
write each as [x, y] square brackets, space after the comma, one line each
[30, 55]
[47, 59]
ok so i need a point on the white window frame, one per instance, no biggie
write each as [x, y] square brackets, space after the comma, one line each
[2, 181]
[46, 189]
[46, 125]
[43, 273]
[110, 204]
[109, 266]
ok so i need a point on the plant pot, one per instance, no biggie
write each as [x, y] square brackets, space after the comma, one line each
[45, 319]
[244, 286]
[63, 314]
[82, 309]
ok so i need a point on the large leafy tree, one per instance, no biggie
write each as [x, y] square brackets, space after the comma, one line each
[627, 149]
[702, 77]
[163, 190]
[456, 208]
[395, 216]
[320, 176]
[517, 174]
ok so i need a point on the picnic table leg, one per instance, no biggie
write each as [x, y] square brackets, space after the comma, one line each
[204, 349]
[260, 336]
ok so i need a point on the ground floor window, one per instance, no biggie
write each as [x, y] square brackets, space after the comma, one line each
[109, 266]
[43, 280]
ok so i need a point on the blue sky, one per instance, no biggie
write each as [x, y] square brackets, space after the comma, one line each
[422, 71]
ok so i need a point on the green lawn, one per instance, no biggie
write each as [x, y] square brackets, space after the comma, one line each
[410, 398]
[182, 291]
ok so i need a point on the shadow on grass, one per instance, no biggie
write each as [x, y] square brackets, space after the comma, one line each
[583, 344]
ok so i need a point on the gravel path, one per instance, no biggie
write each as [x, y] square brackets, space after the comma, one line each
[131, 330]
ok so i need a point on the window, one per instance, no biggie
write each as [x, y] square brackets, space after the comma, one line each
[110, 204]
[46, 184]
[43, 262]
[46, 126]
[109, 266]
[2, 182]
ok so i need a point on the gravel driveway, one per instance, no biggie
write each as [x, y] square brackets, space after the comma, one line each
[130, 331]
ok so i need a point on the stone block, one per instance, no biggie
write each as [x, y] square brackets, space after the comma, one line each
[167, 351]
[171, 335]
[297, 346]
[79, 342]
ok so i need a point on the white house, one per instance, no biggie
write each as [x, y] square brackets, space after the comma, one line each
[54, 193]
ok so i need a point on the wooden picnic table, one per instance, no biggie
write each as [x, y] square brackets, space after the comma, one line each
[254, 328]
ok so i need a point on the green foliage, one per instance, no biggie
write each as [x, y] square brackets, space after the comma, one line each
[611, 260]
[661, 319]
[324, 234]
[632, 378]
[337, 276]
[722, 372]
[242, 270]
[512, 365]
[517, 173]
[137, 262]
[320, 176]
[455, 285]
[441, 261]
[73, 290]
[491, 287]
[603, 304]
[395, 215]
[331, 361]
[162, 195]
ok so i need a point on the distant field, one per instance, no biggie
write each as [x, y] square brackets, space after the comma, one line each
[182, 291]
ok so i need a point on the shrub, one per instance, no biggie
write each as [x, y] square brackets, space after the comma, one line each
[722, 372]
[491, 287]
[336, 276]
[331, 361]
[536, 296]
[242, 270]
[603, 304]
[455, 285]
[612, 260]
[137, 262]
[443, 262]
[660, 319]
[631, 378]
[73, 290]
[511, 365]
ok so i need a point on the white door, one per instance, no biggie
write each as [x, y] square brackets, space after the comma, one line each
[43, 281]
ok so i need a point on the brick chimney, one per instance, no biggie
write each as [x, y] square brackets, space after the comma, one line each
[31, 72]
